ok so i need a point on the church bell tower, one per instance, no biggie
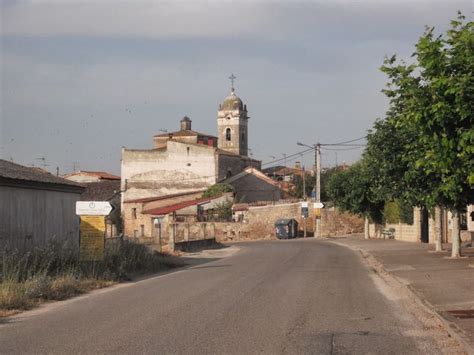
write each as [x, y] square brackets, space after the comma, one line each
[232, 124]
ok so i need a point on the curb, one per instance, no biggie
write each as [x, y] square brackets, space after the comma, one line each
[379, 268]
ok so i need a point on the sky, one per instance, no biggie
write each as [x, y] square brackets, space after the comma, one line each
[82, 79]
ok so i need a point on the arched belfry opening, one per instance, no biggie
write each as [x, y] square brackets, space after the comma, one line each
[232, 123]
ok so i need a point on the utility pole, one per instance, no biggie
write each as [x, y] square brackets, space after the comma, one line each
[304, 199]
[304, 185]
[317, 158]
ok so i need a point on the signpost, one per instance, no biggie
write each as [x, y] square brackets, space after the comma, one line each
[93, 208]
[304, 214]
[92, 243]
[92, 229]
[318, 205]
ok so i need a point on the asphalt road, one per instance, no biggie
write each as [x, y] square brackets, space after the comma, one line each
[299, 296]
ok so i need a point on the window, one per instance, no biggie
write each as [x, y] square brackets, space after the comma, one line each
[229, 173]
[187, 150]
[134, 213]
[228, 135]
[243, 137]
[142, 230]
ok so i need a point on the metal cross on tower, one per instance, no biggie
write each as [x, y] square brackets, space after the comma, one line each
[232, 77]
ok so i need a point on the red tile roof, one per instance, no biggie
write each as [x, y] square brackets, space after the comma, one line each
[184, 133]
[158, 198]
[177, 206]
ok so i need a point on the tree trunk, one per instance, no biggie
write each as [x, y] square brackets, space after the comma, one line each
[456, 236]
[438, 227]
[366, 227]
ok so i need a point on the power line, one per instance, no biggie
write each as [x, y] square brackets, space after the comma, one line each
[345, 143]
[288, 156]
[339, 149]
[293, 157]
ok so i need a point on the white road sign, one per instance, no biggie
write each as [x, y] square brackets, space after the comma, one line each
[93, 208]
[304, 204]
[318, 205]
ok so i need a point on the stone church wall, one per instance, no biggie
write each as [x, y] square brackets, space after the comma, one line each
[179, 168]
[234, 163]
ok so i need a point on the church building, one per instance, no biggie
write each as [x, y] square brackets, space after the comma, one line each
[186, 160]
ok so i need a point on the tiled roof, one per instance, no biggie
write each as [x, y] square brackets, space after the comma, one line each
[101, 190]
[177, 206]
[12, 171]
[158, 198]
[100, 174]
[251, 171]
[184, 133]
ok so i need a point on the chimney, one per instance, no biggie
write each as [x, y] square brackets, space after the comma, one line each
[185, 123]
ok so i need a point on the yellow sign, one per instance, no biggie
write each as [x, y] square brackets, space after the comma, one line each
[317, 212]
[92, 244]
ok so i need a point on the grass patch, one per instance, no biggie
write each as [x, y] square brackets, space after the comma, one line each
[52, 273]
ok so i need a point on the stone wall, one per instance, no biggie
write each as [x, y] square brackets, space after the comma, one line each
[159, 172]
[234, 164]
[133, 220]
[259, 223]
[333, 222]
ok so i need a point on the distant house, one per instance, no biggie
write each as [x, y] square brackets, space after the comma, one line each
[148, 219]
[36, 207]
[252, 185]
[283, 173]
[82, 176]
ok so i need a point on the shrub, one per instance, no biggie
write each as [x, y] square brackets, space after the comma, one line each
[217, 190]
[53, 274]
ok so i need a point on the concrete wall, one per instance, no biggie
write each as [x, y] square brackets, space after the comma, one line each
[33, 217]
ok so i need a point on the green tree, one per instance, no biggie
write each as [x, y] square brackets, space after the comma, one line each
[431, 103]
[311, 181]
[351, 191]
